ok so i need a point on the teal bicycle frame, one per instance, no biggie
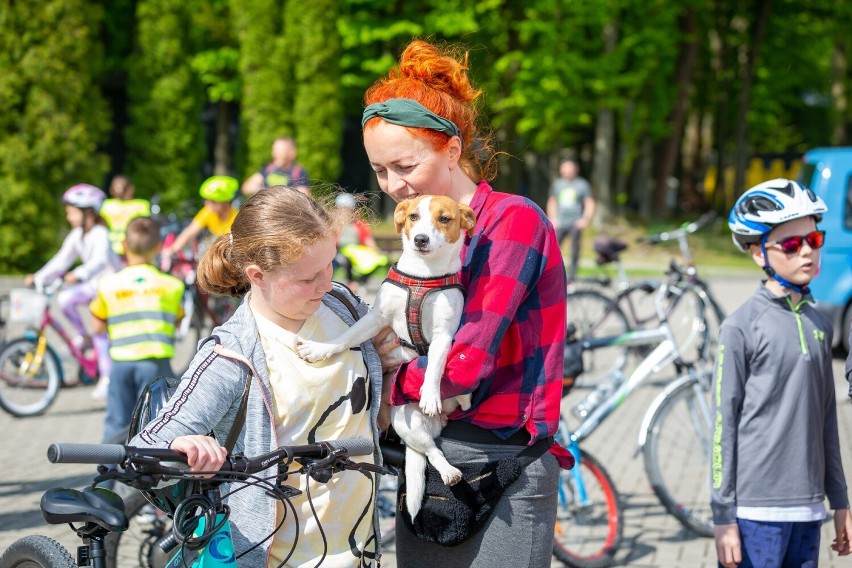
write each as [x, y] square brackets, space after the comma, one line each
[217, 553]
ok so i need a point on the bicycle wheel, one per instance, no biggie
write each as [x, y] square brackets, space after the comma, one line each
[37, 551]
[28, 386]
[589, 519]
[677, 454]
[595, 315]
[137, 546]
[187, 335]
[686, 313]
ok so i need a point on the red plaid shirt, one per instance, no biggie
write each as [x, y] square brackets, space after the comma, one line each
[509, 348]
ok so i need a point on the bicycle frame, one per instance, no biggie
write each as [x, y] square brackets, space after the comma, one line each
[33, 364]
[219, 552]
[665, 352]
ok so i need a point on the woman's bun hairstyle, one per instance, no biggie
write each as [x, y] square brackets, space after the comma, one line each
[438, 79]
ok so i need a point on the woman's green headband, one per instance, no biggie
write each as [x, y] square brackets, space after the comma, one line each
[408, 112]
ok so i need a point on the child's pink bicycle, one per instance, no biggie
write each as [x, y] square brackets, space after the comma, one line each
[31, 371]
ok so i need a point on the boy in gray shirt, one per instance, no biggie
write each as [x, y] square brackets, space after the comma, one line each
[776, 452]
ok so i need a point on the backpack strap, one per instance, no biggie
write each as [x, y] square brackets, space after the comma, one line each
[240, 419]
[345, 301]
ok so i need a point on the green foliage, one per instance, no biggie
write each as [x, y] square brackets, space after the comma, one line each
[165, 136]
[217, 69]
[267, 98]
[52, 121]
[318, 115]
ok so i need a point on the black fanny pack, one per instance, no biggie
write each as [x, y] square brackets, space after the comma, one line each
[450, 515]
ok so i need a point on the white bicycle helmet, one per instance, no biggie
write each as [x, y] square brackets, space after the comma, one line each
[345, 200]
[768, 204]
[84, 196]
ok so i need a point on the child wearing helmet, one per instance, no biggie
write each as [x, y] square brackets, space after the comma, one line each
[89, 243]
[216, 216]
[776, 452]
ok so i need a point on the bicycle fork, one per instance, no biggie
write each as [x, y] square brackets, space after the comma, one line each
[33, 360]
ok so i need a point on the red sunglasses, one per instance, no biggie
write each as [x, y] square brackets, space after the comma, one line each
[790, 245]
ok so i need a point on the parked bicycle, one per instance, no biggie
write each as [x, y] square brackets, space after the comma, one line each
[690, 307]
[589, 516]
[677, 428]
[31, 370]
[200, 535]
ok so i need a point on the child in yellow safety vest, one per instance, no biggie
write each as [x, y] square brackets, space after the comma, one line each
[139, 307]
[120, 208]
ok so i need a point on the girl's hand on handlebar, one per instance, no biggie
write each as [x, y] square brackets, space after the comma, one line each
[203, 453]
[29, 280]
[70, 278]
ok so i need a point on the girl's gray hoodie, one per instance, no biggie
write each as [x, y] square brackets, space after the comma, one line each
[209, 403]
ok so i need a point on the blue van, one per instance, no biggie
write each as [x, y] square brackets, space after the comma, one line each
[828, 172]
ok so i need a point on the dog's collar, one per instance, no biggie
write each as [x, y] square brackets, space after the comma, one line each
[413, 281]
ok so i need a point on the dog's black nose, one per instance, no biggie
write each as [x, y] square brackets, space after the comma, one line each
[421, 241]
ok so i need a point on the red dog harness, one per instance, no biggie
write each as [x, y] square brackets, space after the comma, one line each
[418, 289]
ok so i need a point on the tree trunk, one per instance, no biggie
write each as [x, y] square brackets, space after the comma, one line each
[720, 67]
[671, 146]
[604, 144]
[222, 150]
[839, 100]
[742, 153]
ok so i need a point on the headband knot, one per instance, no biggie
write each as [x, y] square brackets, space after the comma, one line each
[408, 112]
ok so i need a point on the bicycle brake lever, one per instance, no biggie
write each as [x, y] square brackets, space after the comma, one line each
[364, 466]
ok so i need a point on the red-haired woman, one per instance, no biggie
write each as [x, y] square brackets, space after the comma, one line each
[421, 138]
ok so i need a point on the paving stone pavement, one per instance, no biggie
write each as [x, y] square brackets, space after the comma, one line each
[652, 538]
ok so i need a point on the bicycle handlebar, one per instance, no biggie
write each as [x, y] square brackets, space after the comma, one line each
[682, 231]
[118, 453]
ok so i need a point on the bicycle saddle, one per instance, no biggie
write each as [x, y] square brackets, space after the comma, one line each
[91, 505]
[608, 249]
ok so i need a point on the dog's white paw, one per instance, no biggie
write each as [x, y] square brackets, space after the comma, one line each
[430, 401]
[313, 351]
[451, 476]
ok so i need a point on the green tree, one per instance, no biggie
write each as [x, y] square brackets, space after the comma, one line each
[165, 134]
[267, 94]
[317, 111]
[216, 63]
[52, 120]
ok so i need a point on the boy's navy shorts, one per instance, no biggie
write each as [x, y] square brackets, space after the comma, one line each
[768, 544]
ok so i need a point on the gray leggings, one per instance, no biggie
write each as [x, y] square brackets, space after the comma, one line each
[520, 530]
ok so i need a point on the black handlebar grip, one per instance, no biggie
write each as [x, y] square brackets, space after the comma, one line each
[354, 446]
[86, 453]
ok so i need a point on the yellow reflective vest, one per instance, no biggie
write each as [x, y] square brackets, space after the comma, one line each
[118, 213]
[141, 306]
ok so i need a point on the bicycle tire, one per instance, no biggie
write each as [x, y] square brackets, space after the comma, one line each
[578, 540]
[137, 546]
[23, 395]
[686, 312]
[37, 551]
[683, 488]
[596, 315]
[186, 343]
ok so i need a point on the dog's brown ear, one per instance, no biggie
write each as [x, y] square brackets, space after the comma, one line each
[468, 218]
[400, 213]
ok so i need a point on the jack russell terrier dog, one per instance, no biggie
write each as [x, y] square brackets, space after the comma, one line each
[422, 300]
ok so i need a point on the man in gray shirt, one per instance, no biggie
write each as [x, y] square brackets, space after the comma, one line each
[570, 208]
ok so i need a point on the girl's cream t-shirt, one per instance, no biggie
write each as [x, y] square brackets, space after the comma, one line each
[315, 402]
